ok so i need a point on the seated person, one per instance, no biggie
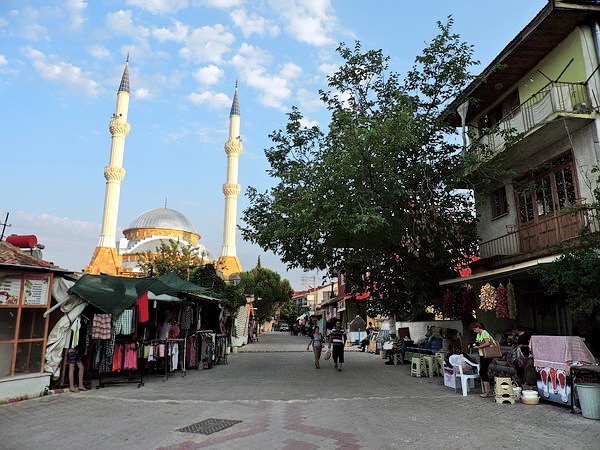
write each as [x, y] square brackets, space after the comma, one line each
[396, 347]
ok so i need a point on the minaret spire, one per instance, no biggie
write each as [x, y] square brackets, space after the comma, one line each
[229, 263]
[106, 258]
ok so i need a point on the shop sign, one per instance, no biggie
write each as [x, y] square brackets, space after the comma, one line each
[36, 290]
[10, 290]
[342, 305]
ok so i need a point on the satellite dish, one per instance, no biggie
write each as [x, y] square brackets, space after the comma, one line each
[235, 279]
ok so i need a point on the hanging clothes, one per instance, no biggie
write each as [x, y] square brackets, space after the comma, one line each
[187, 317]
[143, 314]
[123, 324]
[101, 326]
[75, 327]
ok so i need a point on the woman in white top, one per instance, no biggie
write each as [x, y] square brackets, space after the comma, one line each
[316, 340]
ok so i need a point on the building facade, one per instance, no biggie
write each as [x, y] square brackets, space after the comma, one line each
[536, 120]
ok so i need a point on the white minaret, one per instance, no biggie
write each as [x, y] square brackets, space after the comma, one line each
[106, 259]
[228, 262]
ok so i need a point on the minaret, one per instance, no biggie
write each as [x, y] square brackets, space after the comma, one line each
[105, 258]
[228, 262]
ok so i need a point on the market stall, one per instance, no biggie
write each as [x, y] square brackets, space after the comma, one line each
[553, 357]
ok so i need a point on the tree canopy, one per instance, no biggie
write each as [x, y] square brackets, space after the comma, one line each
[267, 288]
[376, 193]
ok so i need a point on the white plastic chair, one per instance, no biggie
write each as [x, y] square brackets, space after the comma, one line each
[457, 362]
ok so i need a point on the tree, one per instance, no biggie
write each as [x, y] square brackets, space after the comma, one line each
[171, 256]
[375, 194]
[267, 288]
[289, 311]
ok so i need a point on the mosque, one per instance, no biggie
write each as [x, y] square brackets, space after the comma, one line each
[150, 228]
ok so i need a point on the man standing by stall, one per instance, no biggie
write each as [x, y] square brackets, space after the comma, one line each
[337, 341]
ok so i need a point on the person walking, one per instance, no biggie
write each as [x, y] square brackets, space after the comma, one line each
[482, 340]
[316, 340]
[337, 341]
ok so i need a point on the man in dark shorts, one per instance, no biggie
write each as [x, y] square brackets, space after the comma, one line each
[337, 340]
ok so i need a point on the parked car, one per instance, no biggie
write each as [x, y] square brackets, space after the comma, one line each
[284, 327]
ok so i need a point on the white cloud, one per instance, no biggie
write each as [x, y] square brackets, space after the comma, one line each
[308, 21]
[60, 72]
[98, 51]
[177, 33]
[207, 44]
[224, 3]
[328, 68]
[143, 94]
[75, 8]
[121, 23]
[26, 21]
[69, 243]
[209, 75]
[253, 24]
[160, 6]
[308, 100]
[3, 60]
[214, 100]
[251, 62]
[304, 122]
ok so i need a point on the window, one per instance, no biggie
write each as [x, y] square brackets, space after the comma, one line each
[499, 202]
[525, 205]
[23, 301]
[547, 192]
[543, 195]
[565, 188]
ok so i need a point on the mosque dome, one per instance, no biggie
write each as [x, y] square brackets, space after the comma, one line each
[162, 218]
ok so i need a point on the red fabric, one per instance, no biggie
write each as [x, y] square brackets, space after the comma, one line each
[142, 305]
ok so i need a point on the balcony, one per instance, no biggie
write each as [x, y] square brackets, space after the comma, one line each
[571, 100]
[538, 238]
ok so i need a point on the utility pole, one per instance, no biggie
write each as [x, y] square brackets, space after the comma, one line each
[5, 225]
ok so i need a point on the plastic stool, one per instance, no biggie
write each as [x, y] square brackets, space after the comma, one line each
[439, 360]
[416, 367]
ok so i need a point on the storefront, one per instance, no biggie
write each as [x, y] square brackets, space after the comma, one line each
[25, 292]
[123, 329]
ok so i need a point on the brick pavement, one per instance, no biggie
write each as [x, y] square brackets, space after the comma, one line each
[283, 402]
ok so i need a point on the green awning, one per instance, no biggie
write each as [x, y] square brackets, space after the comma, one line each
[113, 294]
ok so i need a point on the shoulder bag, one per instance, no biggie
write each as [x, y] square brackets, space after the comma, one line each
[493, 350]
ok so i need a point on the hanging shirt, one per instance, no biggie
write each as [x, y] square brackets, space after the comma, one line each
[142, 306]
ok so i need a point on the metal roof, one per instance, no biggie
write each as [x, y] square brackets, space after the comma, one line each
[162, 218]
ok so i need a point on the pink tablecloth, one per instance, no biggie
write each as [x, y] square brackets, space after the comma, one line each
[559, 352]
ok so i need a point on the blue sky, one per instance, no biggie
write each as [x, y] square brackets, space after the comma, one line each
[60, 66]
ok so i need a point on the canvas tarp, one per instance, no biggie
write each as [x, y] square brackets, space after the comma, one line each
[113, 294]
[72, 306]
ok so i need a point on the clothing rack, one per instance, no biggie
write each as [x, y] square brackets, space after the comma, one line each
[140, 381]
[206, 348]
[221, 348]
[168, 355]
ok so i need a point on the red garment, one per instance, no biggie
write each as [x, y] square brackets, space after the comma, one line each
[142, 306]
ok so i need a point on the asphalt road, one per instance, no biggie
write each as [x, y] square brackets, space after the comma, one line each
[271, 396]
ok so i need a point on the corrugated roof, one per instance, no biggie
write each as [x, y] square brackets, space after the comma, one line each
[14, 256]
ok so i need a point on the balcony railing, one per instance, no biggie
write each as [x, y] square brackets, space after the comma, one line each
[543, 235]
[568, 98]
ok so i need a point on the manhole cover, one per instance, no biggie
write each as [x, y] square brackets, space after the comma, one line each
[209, 426]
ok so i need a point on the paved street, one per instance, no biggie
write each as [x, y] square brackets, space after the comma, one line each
[282, 402]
